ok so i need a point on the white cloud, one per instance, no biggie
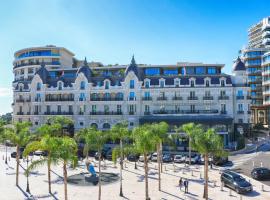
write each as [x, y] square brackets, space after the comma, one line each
[5, 92]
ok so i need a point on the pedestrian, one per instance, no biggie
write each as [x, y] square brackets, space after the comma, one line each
[180, 183]
[185, 185]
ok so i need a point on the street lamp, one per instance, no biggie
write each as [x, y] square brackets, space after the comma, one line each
[6, 152]
[27, 177]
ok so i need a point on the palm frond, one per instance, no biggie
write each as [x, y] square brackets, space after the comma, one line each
[35, 164]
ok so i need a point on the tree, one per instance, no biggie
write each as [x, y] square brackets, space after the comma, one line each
[189, 129]
[82, 135]
[145, 144]
[67, 152]
[120, 132]
[160, 132]
[19, 135]
[96, 140]
[206, 143]
[63, 125]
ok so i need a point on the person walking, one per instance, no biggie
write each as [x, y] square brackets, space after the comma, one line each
[185, 185]
[180, 183]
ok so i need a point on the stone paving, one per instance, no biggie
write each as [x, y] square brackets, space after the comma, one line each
[133, 184]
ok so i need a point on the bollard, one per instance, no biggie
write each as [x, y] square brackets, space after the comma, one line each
[215, 183]
[200, 175]
[230, 192]
[221, 186]
[262, 187]
[261, 164]
[249, 180]
[191, 172]
[241, 197]
[253, 164]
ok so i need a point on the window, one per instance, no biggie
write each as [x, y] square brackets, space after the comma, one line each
[240, 93]
[190, 70]
[192, 94]
[222, 83]
[107, 96]
[38, 97]
[152, 71]
[146, 95]
[192, 108]
[207, 93]
[223, 108]
[207, 83]
[162, 83]
[222, 93]
[82, 97]
[240, 107]
[59, 109]
[200, 70]
[132, 96]
[177, 82]
[211, 70]
[192, 83]
[131, 84]
[106, 109]
[177, 108]
[107, 84]
[38, 86]
[70, 109]
[119, 96]
[146, 108]
[119, 109]
[94, 108]
[147, 84]
[131, 109]
[60, 86]
[170, 72]
[81, 123]
[82, 85]
[48, 109]
[240, 121]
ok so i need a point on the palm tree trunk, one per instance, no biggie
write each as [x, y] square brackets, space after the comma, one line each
[65, 179]
[146, 176]
[17, 164]
[205, 193]
[158, 160]
[121, 168]
[49, 173]
[161, 156]
[189, 150]
[99, 176]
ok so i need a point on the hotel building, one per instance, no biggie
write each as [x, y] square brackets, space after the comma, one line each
[51, 81]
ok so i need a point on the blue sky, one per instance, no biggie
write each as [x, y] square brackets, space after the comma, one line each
[156, 31]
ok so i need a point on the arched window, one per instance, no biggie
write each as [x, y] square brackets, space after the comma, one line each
[207, 83]
[192, 83]
[38, 86]
[147, 84]
[131, 84]
[107, 96]
[106, 126]
[222, 83]
[82, 87]
[107, 84]
[119, 96]
[94, 125]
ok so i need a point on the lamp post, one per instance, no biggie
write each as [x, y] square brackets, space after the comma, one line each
[27, 177]
[6, 153]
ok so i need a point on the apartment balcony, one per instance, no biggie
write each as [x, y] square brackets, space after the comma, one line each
[106, 113]
[59, 99]
[223, 98]
[36, 113]
[28, 113]
[131, 113]
[58, 113]
[208, 98]
[266, 41]
[162, 98]
[240, 112]
[37, 99]
[106, 99]
[240, 97]
[192, 98]
[82, 99]
[185, 111]
[147, 98]
[131, 98]
[20, 113]
[175, 98]
[36, 63]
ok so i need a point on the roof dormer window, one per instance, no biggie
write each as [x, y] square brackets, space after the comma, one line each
[192, 83]
[162, 83]
[222, 83]
[60, 86]
[107, 84]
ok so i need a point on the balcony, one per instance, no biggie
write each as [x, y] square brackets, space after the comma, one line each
[19, 100]
[223, 112]
[240, 97]
[106, 99]
[37, 99]
[161, 98]
[147, 98]
[223, 98]
[36, 63]
[81, 113]
[36, 113]
[192, 98]
[106, 113]
[208, 98]
[131, 113]
[240, 112]
[20, 113]
[248, 97]
[59, 99]
[176, 98]
[185, 111]
[82, 99]
[58, 113]
[147, 113]
[132, 98]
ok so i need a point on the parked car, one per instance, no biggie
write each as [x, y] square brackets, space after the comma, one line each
[108, 155]
[167, 158]
[97, 156]
[40, 153]
[178, 158]
[133, 157]
[195, 159]
[154, 157]
[260, 173]
[141, 158]
[219, 161]
[14, 154]
[235, 182]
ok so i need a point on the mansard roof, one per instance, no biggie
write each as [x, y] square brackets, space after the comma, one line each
[85, 69]
[43, 72]
[239, 65]
[132, 67]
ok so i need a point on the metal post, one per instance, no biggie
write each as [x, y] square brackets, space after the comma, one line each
[261, 164]
[6, 153]
[221, 186]
[262, 187]
[191, 172]
[230, 192]
[253, 163]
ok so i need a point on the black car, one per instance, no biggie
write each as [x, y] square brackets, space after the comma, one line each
[260, 173]
[235, 182]
[133, 157]
[219, 161]
[14, 154]
[167, 158]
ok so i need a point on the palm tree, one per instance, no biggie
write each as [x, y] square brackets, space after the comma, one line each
[81, 135]
[67, 152]
[96, 140]
[145, 144]
[120, 132]
[61, 125]
[48, 144]
[189, 129]
[3, 136]
[207, 143]
[19, 135]
[160, 132]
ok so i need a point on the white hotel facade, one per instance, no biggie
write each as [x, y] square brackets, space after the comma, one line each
[50, 81]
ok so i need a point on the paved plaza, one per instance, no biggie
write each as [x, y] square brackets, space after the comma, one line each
[133, 183]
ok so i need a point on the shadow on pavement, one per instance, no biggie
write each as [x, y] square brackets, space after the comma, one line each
[171, 194]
